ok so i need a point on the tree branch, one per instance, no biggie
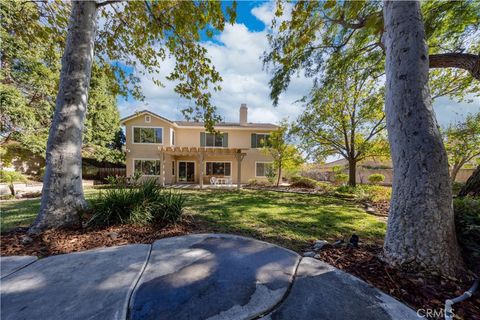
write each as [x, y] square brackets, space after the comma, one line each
[466, 61]
[104, 3]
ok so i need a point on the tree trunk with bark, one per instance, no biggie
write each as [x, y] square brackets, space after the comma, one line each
[352, 173]
[420, 231]
[62, 193]
[466, 61]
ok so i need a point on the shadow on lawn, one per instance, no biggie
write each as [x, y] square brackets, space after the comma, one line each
[288, 219]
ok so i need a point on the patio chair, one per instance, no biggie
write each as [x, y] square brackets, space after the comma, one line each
[213, 180]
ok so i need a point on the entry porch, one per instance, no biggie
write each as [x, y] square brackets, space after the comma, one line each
[201, 166]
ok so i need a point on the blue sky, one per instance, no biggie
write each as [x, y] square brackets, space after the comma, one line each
[236, 52]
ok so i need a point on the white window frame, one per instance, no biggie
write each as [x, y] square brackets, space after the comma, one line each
[231, 166]
[147, 143]
[270, 162]
[262, 133]
[148, 159]
[172, 137]
[148, 118]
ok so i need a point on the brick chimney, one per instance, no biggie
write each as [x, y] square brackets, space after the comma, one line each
[243, 114]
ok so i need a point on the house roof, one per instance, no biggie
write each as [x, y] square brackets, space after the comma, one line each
[201, 123]
[226, 124]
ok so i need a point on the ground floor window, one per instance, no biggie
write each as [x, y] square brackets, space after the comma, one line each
[263, 169]
[147, 167]
[218, 168]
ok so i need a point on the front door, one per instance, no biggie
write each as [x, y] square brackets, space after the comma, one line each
[186, 171]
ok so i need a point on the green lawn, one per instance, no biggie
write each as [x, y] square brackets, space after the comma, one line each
[288, 219]
[21, 213]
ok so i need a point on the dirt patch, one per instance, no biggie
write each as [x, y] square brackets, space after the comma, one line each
[418, 290]
[54, 242]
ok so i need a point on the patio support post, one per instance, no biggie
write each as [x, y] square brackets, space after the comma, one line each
[162, 163]
[239, 156]
[200, 156]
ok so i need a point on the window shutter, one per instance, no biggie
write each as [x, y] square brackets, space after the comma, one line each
[202, 139]
[254, 140]
[225, 140]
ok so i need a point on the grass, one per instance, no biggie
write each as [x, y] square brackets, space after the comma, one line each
[288, 219]
[21, 213]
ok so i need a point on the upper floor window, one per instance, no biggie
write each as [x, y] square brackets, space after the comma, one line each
[148, 119]
[213, 140]
[260, 140]
[147, 135]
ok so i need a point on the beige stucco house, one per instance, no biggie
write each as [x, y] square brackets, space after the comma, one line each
[183, 152]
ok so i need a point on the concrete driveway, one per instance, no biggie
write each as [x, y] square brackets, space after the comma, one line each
[205, 276]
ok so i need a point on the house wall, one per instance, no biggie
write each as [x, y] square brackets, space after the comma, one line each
[190, 137]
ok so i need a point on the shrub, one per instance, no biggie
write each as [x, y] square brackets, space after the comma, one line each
[10, 177]
[143, 204]
[467, 224]
[341, 178]
[173, 205]
[258, 183]
[376, 178]
[303, 182]
[456, 187]
[367, 192]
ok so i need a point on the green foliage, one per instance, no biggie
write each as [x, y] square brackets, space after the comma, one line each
[142, 204]
[456, 187]
[163, 29]
[376, 178]
[326, 38]
[258, 183]
[10, 177]
[29, 78]
[285, 155]
[462, 141]
[344, 117]
[173, 204]
[467, 222]
[303, 182]
[370, 193]
[341, 178]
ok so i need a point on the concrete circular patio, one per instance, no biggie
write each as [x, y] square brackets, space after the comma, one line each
[203, 276]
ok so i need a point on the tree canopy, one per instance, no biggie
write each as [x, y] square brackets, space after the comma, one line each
[321, 36]
[30, 59]
[462, 142]
[344, 117]
[286, 156]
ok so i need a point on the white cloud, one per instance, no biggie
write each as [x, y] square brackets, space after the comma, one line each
[238, 59]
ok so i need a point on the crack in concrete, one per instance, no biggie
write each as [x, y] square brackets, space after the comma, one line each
[135, 282]
[285, 296]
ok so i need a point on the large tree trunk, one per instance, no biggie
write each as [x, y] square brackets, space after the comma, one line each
[352, 173]
[420, 231]
[62, 192]
[472, 186]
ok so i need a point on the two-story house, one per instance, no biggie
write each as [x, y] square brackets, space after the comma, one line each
[183, 152]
